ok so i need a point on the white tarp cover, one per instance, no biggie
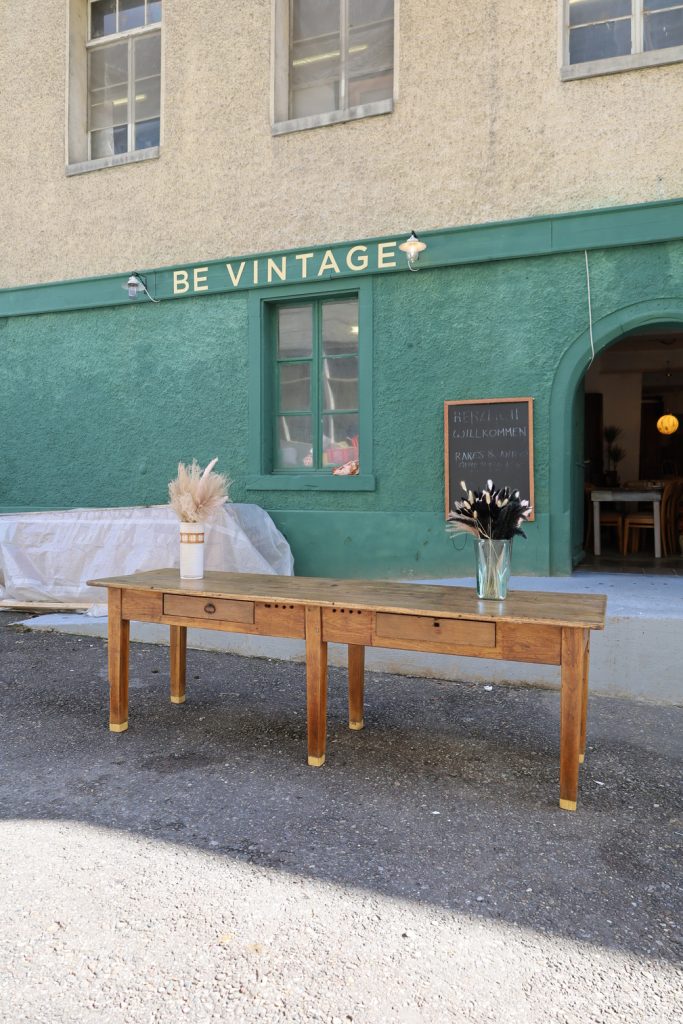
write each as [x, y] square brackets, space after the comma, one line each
[48, 556]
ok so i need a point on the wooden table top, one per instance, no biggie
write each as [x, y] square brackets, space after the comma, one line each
[626, 494]
[585, 611]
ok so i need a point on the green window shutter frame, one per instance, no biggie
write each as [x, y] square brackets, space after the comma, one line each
[263, 306]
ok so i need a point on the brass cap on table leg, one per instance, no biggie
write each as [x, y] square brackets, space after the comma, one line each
[178, 700]
[118, 728]
[582, 758]
[568, 805]
[356, 725]
[316, 762]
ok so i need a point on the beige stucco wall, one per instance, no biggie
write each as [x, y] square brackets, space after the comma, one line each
[483, 129]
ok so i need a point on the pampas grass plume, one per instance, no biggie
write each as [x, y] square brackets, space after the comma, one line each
[194, 495]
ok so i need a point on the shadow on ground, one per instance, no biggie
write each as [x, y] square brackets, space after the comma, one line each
[449, 795]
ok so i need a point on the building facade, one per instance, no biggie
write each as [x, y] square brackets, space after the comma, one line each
[258, 166]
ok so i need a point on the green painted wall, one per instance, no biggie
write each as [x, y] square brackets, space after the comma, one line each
[98, 405]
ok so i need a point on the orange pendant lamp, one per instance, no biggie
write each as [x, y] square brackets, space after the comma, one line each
[667, 424]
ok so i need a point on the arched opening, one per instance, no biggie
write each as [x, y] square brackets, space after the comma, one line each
[627, 391]
[637, 371]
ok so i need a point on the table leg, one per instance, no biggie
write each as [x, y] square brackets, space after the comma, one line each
[178, 661]
[356, 685]
[119, 636]
[571, 708]
[584, 695]
[656, 507]
[596, 527]
[316, 686]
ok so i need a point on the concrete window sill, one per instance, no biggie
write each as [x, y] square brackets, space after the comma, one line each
[300, 124]
[630, 62]
[113, 161]
[311, 482]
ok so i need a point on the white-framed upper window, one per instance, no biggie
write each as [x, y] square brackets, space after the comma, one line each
[333, 60]
[124, 76]
[604, 36]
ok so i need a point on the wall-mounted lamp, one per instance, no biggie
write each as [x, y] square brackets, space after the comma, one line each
[136, 284]
[412, 247]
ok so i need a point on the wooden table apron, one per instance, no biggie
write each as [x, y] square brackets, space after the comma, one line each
[551, 629]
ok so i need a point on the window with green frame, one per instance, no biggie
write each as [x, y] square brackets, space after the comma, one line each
[316, 403]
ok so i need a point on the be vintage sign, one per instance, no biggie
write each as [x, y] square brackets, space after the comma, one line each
[287, 268]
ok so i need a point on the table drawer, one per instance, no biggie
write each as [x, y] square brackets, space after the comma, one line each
[215, 609]
[426, 628]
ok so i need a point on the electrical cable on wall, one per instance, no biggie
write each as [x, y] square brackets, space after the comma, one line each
[590, 311]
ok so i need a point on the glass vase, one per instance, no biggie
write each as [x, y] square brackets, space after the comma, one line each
[493, 568]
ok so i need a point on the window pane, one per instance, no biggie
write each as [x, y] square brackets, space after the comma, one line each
[153, 11]
[658, 5]
[340, 439]
[340, 327]
[108, 66]
[611, 39]
[108, 86]
[147, 134]
[147, 99]
[131, 14]
[318, 98]
[109, 142]
[147, 85]
[370, 64]
[295, 331]
[311, 18]
[102, 18]
[365, 12]
[316, 57]
[294, 442]
[108, 107]
[295, 387]
[663, 29]
[582, 12]
[148, 55]
[314, 78]
[340, 383]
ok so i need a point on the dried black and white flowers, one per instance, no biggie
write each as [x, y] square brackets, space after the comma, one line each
[490, 514]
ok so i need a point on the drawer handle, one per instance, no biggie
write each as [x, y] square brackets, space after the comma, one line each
[209, 608]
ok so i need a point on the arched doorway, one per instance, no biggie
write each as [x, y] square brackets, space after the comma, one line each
[633, 325]
[626, 390]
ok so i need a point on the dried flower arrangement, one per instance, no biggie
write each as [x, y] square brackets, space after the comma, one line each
[195, 496]
[489, 514]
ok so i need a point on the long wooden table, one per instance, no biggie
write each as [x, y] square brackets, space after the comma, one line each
[549, 629]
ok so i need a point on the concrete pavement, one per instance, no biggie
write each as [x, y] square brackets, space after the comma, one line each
[195, 869]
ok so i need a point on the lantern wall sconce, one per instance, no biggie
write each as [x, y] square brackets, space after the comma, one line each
[412, 247]
[136, 284]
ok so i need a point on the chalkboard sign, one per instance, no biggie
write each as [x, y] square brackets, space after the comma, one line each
[489, 439]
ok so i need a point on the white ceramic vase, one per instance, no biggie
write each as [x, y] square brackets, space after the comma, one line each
[191, 551]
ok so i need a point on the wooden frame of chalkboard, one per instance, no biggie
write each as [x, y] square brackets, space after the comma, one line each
[511, 467]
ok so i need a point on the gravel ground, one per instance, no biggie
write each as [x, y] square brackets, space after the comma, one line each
[195, 869]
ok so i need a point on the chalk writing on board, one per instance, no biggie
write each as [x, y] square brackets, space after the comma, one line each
[489, 440]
